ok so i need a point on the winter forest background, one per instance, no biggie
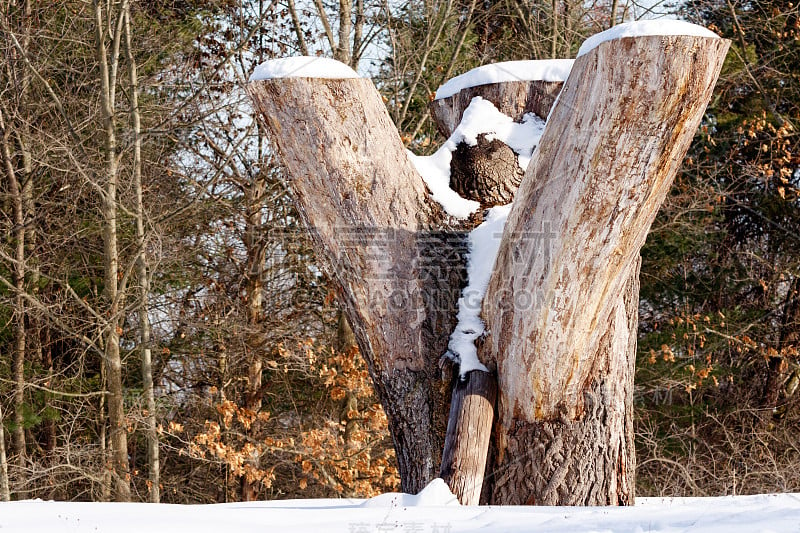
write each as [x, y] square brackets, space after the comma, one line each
[153, 271]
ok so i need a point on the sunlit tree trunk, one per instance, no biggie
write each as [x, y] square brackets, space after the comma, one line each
[561, 304]
[5, 492]
[561, 308]
[143, 275]
[116, 408]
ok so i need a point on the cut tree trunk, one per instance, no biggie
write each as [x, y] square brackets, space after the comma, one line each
[388, 246]
[561, 308]
[560, 337]
[512, 98]
[485, 173]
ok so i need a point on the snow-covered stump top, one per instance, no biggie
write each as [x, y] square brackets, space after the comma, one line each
[645, 28]
[303, 67]
[533, 70]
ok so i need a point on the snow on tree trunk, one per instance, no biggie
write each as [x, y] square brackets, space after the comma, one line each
[560, 305]
[388, 246]
[512, 98]
[490, 174]
[561, 308]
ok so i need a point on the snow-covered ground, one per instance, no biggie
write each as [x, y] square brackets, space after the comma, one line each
[778, 513]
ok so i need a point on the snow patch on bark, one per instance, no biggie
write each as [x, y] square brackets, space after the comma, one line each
[484, 243]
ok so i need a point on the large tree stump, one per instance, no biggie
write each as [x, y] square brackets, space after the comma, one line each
[561, 306]
[612, 146]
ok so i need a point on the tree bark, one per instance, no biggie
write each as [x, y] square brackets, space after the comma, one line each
[560, 338]
[5, 492]
[254, 295]
[368, 210]
[111, 337]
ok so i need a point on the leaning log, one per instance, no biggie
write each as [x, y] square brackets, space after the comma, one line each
[469, 432]
[612, 146]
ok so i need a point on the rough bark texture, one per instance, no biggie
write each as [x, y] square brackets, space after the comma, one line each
[368, 210]
[512, 98]
[615, 139]
[589, 460]
[254, 338]
[487, 172]
[468, 432]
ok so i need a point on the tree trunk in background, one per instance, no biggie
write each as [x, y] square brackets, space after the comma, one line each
[254, 295]
[512, 98]
[143, 275]
[560, 305]
[349, 414]
[368, 211]
[18, 167]
[778, 368]
[5, 492]
[15, 189]
[111, 336]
